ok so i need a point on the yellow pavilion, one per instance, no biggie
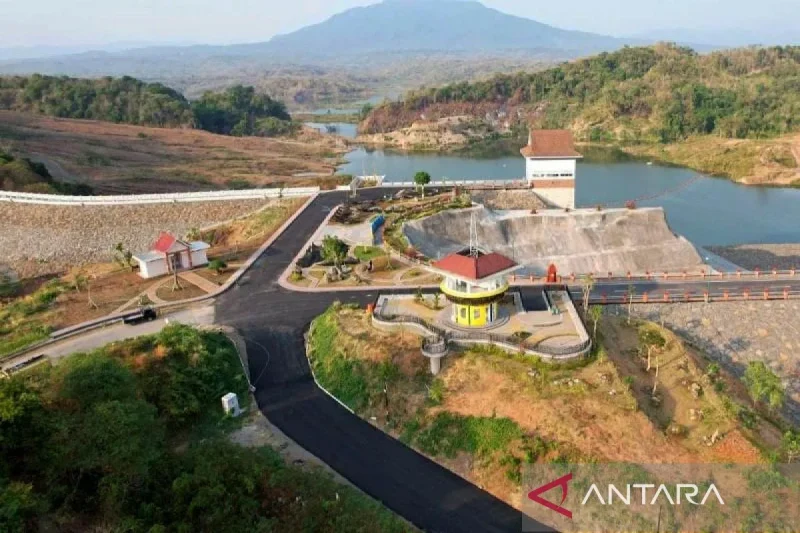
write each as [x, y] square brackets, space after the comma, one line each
[474, 282]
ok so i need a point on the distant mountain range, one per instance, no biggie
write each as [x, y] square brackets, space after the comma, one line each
[436, 25]
[397, 27]
[373, 51]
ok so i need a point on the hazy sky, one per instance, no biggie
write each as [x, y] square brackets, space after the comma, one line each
[86, 22]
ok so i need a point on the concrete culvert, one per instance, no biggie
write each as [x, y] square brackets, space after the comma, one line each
[582, 241]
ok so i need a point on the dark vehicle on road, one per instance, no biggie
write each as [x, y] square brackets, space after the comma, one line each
[17, 367]
[143, 314]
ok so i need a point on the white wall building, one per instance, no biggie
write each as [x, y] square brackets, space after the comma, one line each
[169, 255]
[550, 166]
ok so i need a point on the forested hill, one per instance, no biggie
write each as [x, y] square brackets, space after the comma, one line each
[125, 100]
[20, 174]
[660, 93]
[236, 111]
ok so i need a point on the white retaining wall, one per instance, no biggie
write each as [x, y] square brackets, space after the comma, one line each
[247, 194]
[462, 183]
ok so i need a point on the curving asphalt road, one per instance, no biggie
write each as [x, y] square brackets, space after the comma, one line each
[272, 321]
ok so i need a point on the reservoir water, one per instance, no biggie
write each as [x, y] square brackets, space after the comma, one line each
[344, 129]
[708, 211]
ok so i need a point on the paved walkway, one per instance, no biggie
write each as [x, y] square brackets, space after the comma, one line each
[200, 281]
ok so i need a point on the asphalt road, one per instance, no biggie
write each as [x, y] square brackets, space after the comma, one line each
[272, 321]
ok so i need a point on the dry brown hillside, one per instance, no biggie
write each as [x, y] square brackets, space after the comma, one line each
[117, 158]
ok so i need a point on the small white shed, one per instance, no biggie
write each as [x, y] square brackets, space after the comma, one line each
[170, 254]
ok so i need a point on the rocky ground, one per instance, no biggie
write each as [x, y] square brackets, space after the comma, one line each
[44, 239]
[763, 256]
[513, 199]
[736, 333]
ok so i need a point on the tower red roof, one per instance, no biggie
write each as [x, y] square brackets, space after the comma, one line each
[550, 143]
[475, 267]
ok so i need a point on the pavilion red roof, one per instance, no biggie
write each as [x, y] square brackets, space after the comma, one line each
[474, 267]
[164, 242]
[550, 143]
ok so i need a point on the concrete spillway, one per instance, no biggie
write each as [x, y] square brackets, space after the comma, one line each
[582, 241]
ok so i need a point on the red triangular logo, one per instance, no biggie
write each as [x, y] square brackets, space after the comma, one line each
[560, 482]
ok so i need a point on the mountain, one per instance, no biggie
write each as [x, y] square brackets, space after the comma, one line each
[365, 52]
[435, 25]
[392, 26]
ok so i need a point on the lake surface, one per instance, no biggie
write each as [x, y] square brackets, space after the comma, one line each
[344, 129]
[708, 211]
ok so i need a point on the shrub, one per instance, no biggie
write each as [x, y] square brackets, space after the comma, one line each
[764, 385]
[217, 265]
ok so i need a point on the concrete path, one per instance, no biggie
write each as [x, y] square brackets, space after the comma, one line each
[91, 340]
[198, 280]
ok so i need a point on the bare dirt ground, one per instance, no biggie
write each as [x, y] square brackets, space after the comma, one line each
[120, 159]
[761, 256]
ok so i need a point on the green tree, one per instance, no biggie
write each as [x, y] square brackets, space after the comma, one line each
[651, 340]
[89, 379]
[24, 426]
[421, 179]
[764, 385]
[187, 371]
[18, 507]
[107, 451]
[595, 313]
[791, 445]
[217, 265]
[586, 287]
[218, 471]
[123, 256]
[239, 110]
[334, 249]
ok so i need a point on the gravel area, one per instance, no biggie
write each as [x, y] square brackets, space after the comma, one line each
[763, 256]
[735, 333]
[513, 199]
[38, 239]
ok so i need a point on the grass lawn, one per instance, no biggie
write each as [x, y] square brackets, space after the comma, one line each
[365, 253]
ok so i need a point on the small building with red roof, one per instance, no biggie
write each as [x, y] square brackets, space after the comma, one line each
[550, 166]
[474, 282]
[170, 254]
